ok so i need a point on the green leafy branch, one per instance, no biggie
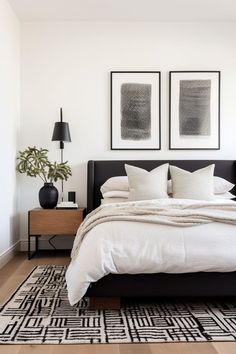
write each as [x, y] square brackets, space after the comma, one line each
[34, 162]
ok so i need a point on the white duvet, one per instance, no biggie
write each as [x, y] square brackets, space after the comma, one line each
[139, 247]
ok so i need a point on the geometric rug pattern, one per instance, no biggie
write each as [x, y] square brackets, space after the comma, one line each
[39, 312]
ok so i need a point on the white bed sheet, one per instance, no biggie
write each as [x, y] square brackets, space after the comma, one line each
[134, 247]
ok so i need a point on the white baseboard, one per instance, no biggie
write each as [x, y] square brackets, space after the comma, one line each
[22, 245]
[7, 255]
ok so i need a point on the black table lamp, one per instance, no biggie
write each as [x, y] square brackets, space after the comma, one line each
[61, 132]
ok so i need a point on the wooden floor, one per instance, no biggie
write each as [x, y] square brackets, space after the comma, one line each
[14, 273]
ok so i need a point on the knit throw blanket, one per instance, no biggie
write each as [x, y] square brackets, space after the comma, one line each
[182, 213]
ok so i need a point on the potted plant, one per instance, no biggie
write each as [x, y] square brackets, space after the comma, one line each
[34, 162]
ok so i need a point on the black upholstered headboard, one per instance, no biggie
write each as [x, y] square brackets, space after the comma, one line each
[100, 171]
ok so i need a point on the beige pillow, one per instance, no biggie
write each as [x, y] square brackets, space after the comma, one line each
[221, 185]
[117, 183]
[144, 185]
[116, 194]
[193, 185]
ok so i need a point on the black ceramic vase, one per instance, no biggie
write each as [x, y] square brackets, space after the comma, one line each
[48, 196]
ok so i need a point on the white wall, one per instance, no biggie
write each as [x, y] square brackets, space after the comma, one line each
[68, 63]
[9, 114]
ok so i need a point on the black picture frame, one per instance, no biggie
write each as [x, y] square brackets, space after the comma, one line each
[151, 81]
[210, 138]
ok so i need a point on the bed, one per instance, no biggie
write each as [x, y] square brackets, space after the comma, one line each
[157, 284]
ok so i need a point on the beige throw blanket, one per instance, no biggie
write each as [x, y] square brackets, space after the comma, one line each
[168, 212]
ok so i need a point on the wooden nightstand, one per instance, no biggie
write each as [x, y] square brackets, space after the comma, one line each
[48, 222]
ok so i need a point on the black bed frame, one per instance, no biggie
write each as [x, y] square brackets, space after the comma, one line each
[160, 284]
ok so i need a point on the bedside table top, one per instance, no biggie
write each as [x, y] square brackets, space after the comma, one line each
[55, 209]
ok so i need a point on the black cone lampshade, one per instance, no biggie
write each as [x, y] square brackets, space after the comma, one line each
[61, 131]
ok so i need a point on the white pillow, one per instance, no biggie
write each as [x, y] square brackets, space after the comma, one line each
[226, 195]
[193, 185]
[116, 194]
[221, 185]
[113, 200]
[118, 183]
[144, 185]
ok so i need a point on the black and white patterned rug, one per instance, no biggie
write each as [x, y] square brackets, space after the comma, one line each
[39, 312]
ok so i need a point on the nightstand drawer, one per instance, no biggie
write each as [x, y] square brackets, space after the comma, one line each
[54, 221]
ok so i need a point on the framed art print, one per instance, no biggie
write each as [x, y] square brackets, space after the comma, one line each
[135, 110]
[194, 110]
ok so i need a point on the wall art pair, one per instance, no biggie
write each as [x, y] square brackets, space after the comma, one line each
[194, 110]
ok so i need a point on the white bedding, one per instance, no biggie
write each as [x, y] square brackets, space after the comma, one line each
[136, 247]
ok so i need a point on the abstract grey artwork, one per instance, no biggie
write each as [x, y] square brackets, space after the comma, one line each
[194, 110]
[135, 111]
[194, 107]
